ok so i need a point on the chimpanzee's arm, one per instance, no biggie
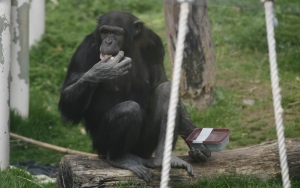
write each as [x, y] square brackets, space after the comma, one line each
[75, 97]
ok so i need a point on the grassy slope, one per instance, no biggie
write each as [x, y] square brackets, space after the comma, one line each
[243, 73]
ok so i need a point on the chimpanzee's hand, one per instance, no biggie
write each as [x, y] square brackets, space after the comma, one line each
[200, 155]
[109, 68]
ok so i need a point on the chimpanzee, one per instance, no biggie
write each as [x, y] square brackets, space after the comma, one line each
[116, 83]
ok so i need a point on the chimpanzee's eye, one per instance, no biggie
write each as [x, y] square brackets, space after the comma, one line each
[104, 31]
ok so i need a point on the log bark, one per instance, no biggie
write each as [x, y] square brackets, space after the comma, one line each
[199, 66]
[261, 161]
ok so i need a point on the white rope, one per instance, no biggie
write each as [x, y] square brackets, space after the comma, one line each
[276, 93]
[182, 29]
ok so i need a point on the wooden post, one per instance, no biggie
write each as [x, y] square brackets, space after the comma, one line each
[199, 67]
[261, 161]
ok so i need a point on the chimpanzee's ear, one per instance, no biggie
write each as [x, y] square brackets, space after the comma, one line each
[138, 25]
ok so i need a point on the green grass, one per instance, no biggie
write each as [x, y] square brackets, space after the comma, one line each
[238, 181]
[239, 37]
[243, 73]
[18, 178]
[232, 181]
[43, 126]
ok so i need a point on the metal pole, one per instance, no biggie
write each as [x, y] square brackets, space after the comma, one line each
[37, 21]
[5, 42]
[19, 84]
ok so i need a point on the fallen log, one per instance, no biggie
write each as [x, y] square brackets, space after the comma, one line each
[261, 161]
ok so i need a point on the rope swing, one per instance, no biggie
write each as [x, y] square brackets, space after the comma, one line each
[270, 18]
[182, 29]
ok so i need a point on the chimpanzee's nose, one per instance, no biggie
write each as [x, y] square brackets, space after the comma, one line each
[108, 41]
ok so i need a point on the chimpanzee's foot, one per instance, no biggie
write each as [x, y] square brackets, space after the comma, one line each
[175, 163]
[200, 155]
[135, 164]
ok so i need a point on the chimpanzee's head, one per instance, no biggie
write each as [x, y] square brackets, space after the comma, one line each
[116, 31]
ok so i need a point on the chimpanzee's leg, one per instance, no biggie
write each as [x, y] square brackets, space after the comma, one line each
[120, 131]
[183, 126]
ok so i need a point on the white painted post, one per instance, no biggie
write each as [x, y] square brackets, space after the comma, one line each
[36, 21]
[19, 84]
[5, 42]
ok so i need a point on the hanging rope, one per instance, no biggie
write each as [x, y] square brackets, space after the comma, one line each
[276, 92]
[182, 29]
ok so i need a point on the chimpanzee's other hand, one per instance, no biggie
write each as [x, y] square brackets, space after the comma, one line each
[200, 155]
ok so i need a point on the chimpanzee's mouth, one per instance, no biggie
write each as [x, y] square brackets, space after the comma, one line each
[112, 55]
[103, 56]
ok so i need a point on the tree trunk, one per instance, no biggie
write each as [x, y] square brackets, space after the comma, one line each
[199, 67]
[261, 161]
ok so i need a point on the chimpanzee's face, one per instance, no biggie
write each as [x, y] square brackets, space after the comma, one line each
[112, 40]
